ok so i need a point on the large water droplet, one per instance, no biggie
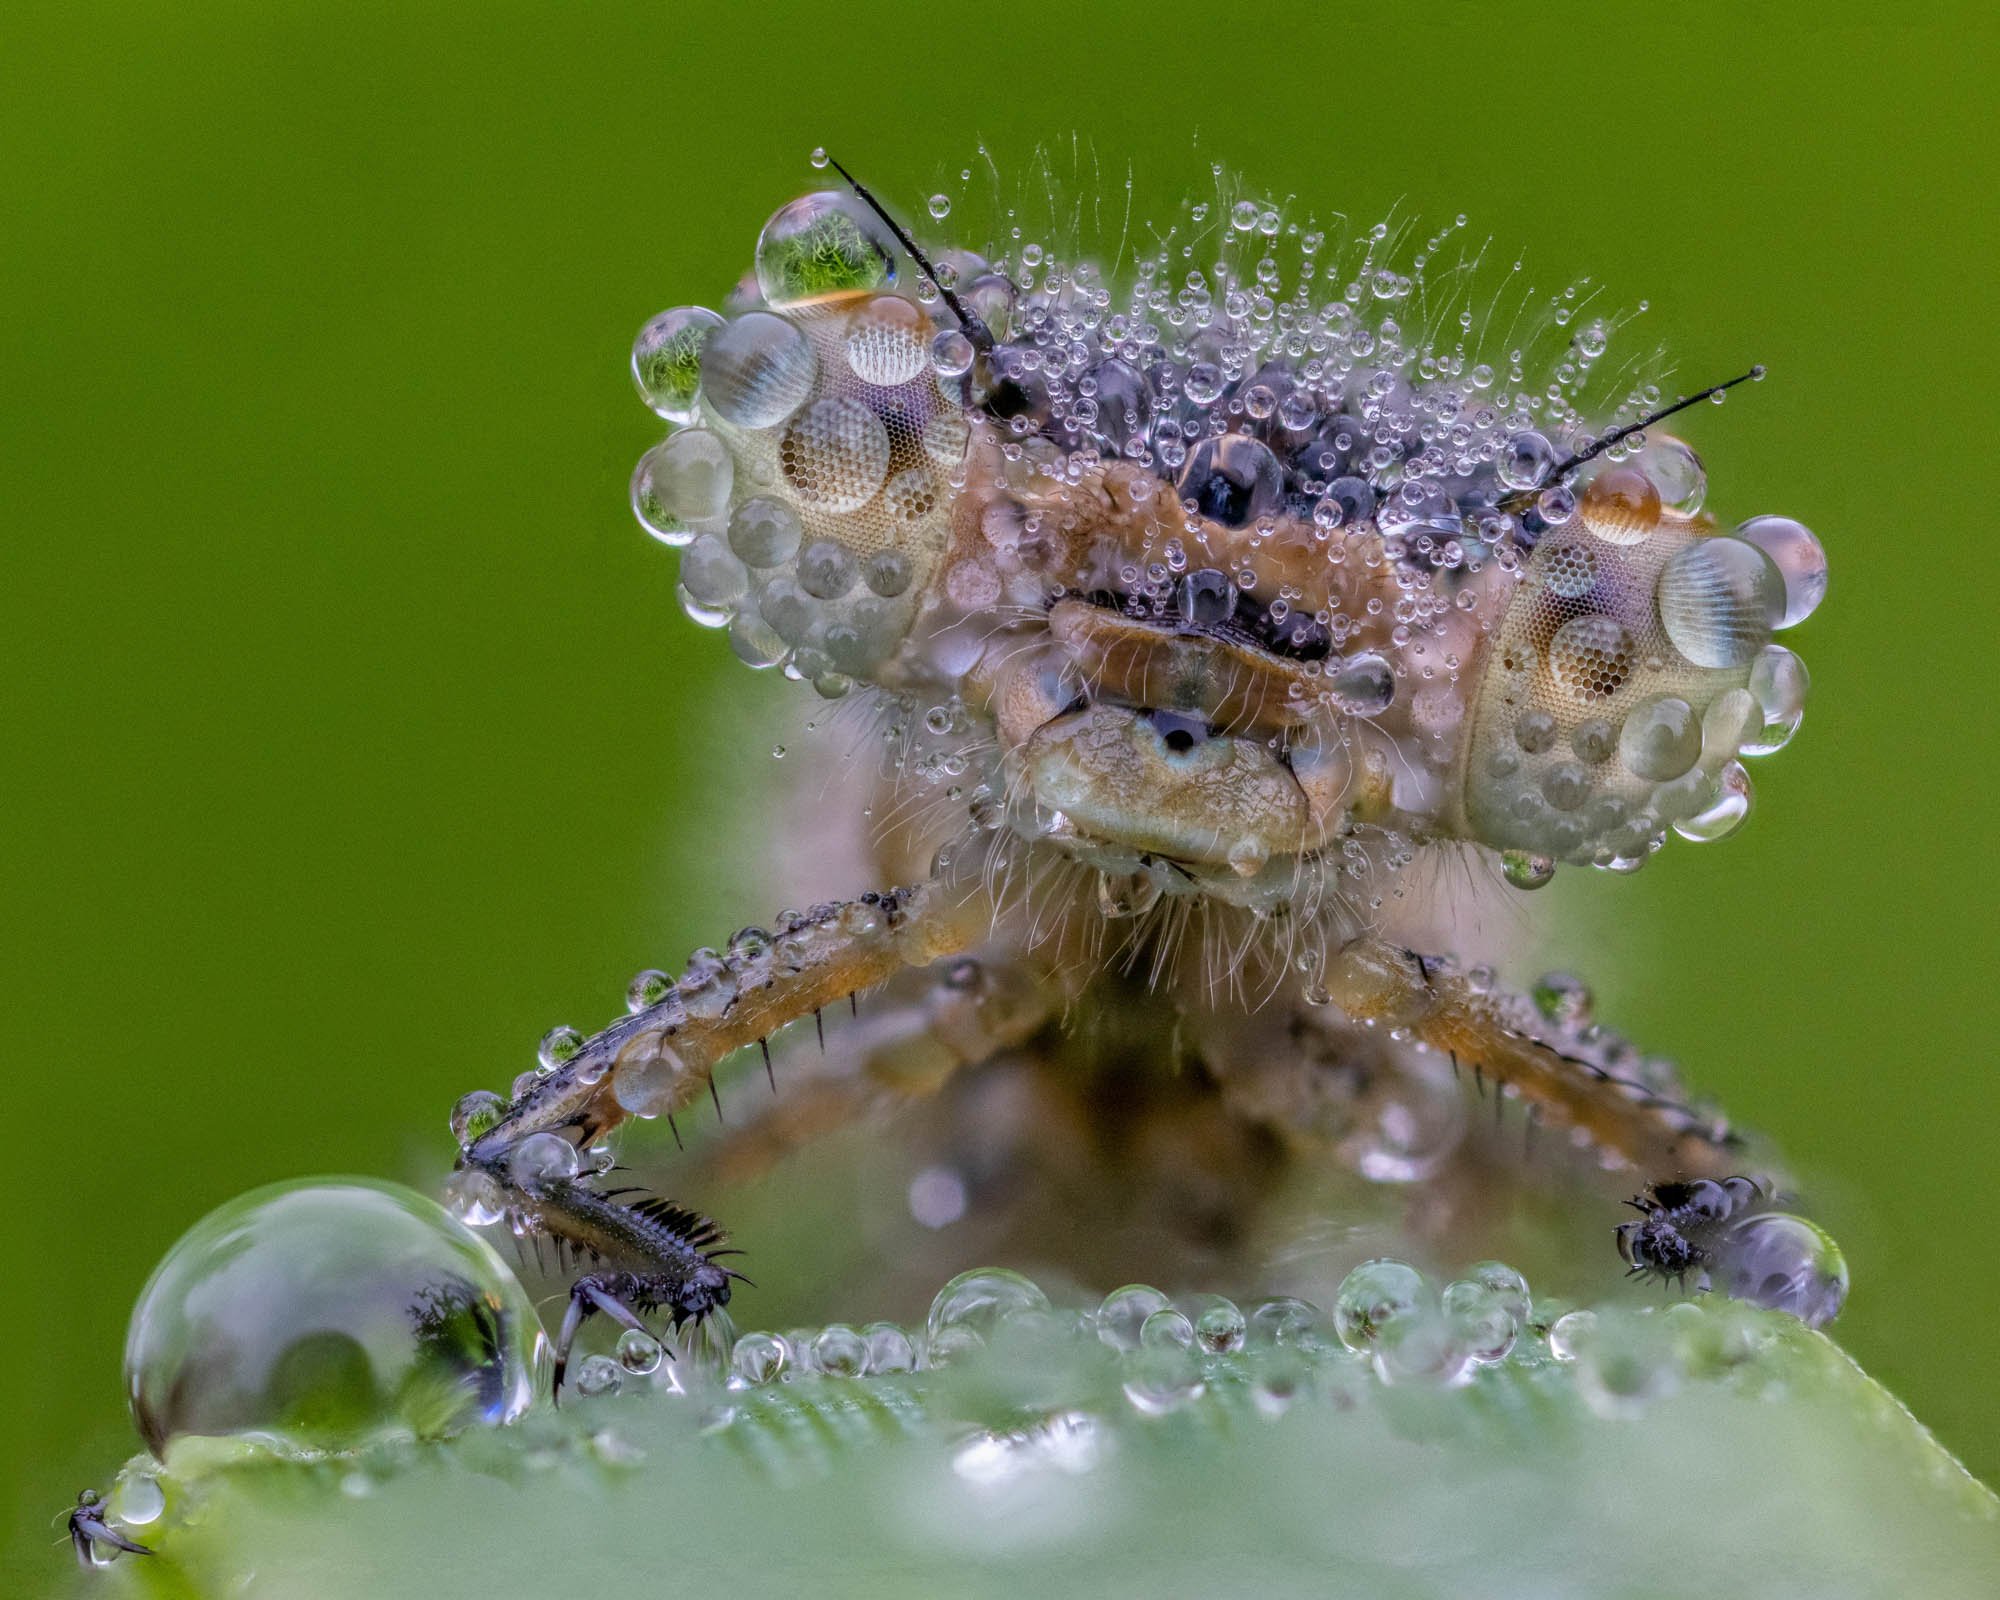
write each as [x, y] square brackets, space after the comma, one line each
[979, 1300]
[1800, 561]
[822, 244]
[327, 1314]
[666, 360]
[757, 371]
[1375, 1295]
[1719, 599]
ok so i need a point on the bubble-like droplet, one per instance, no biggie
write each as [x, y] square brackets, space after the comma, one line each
[540, 1158]
[1220, 1327]
[1726, 812]
[1591, 656]
[1800, 561]
[557, 1046]
[1123, 1313]
[1526, 870]
[329, 1314]
[980, 1299]
[1169, 1328]
[1374, 1295]
[638, 1352]
[597, 1375]
[666, 360]
[1778, 681]
[764, 532]
[682, 481]
[474, 1114]
[839, 1352]
[822, 244]
[757, 371]
[758, 1358]
[1482, 1322]
[952, 354]
[890, 1349]
[1569, 1333]
[1364, 685]
[888, 341]
[1676, 471]
[1621, 505]
[712, 574]
[1233, 480]
[1660, 739]
[1784, 1263]
[1525, 461]
[826, 570]
[137, 1499]
[835, 454]
[1718, 600]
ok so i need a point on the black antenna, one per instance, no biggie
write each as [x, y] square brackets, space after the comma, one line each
[975, 330]
[1573, 462]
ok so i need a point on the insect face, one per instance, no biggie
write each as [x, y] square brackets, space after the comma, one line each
[1220, 578]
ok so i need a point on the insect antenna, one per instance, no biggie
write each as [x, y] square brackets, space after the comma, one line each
[975, 330]
[1570, 463]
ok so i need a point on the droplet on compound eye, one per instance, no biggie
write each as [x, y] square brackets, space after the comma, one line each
[684, 480]
[764, 532]
[1535, 731]
[1676, 471]
[474, 1114]
[835, 454]
[822, 244]
[888, 341]
[1123, 1313]
[888, 573]
[1525, 870]
[712, 575]
[826, 570]
[1726, 812]
[666, 360]
[1779, 682]
[1525, 461]
[758, 1359]
[1784, 1263]
[638, 1352]
[1660, 739]
[1621, 505]
[1593, 740]
[980, 1299]
[757, 370]
[1568, 568]
[1375, 1295]
[1591, 656]
[1364, 685]
[1566, 786]
[1799, 559]
[326, 1315]
[951, 354]
[1232, 480]
[1718, 600]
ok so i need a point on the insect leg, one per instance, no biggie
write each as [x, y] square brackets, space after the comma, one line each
[658, 1060]
[1498, 1035]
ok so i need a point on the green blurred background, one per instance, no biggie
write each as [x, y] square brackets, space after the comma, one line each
[352, 735]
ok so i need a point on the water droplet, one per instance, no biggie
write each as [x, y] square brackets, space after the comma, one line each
[325, 1315]
[1660, 739]
[822, 244]
[557, 1046]
[1526, 870]
[1123, 1313]
[1373, 1296]
[137, 1499]
[685, 480]
[839, 1352]
[476, 1113]
[758, 1359]
[597, 1375]
[1481, 1320]
[1676, 471]
[1784, 1263]
[638, 1352]
[889, 1348]
[1800, 561]
[1726, 812]
[1526, 461]
[940, 206]
[1718, 600]
[888, 341]
[757, 371]
[981, 1299]
[1621, 505]
[1563, 998]
[952, 354]
[1570, 1333]
[1219, 1327]
[1167, 1328]
[541, 1158]
[1779, 683]
[666, 360]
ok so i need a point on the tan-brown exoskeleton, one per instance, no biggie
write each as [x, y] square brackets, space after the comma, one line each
[1211, 608]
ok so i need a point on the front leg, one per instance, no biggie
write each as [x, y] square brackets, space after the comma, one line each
[658, 1060]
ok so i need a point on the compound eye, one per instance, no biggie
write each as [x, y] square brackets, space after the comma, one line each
[1633, 666]
[810, 493]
